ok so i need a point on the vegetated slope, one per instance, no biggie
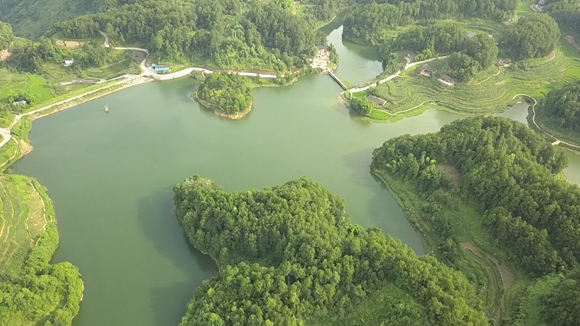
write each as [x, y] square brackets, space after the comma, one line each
[566, 13]
[289, 255]
[232, 34]
[32, 291]
[33, 18]
[509, 171]
[533, 36]
[562, 107]
[369, 23]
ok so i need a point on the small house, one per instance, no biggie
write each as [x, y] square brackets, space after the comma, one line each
[20, 103]
[376, 100]
[426, 70]
[504, 62]
[68, 62]
[320, 50]
[447, 81]
[160, 68]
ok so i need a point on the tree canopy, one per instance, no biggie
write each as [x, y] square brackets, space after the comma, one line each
[289, 254]
[533, 36]
[563, 106]
[510, 172]
[233, 33]
[232, 93]
[369, 23]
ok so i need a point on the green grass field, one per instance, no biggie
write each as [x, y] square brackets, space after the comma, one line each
[29, 83]
[22, 220]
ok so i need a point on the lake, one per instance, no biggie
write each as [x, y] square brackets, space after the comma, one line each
[110, 177]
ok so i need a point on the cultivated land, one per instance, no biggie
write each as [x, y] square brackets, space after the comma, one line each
[22, 220]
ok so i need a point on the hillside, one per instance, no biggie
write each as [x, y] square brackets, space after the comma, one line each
[33, 18]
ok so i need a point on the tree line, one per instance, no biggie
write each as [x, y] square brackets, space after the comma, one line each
[289, 255]
[510, 172]
[232, 93]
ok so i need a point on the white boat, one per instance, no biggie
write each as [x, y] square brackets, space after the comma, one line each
[106, 109]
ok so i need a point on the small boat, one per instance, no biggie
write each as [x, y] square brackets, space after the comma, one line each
[106, 109]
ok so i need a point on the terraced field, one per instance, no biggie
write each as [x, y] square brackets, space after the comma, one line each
[491, 91]
[22, 220]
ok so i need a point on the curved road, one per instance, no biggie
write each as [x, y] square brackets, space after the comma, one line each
[556, 140]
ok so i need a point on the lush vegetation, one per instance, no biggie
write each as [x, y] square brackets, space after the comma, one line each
[35, 18]
[371, 23]
[562, 106]
[230, 93]
[469, 55]
[289, 255]
[230, 33]
[6, 35]
[533, 36]
[501, 163]
[33, 291]
[566, 13]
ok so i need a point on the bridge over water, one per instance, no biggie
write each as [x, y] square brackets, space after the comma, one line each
[337, 80]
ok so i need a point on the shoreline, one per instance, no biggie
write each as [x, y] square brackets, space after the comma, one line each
[219, 112]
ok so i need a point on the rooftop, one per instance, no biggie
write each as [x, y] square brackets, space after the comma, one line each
[321, 47]
[377, 100]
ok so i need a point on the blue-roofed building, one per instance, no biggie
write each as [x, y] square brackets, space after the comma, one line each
[160, 68]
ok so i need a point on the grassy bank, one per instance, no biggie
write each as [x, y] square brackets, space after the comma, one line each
[497, 283]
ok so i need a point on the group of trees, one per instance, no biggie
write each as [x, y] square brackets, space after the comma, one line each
[510, 172]
[469, 54]
[533, 36]
[232, 33]
[566, 13]
[232, 93]
[289, 254]
[560, 305]
[563, 106]
[369, 23]
[362, 106]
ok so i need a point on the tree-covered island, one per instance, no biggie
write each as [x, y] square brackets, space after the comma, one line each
[228, 95]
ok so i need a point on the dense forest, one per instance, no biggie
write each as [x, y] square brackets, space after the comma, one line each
[509, 171]
[289, 254]
[369, 23]
[533, 36]
[230, 33]
[232, 93]
[560, 305]
[566, 13]
[563, 106]
[35, 18]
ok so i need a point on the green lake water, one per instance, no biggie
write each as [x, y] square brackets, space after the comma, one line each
[110, 177]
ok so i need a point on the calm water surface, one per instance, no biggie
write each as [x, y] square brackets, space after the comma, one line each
[110, 177]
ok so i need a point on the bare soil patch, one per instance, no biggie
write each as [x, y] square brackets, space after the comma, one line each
[69, 44]
[451, 171]
[25, 147]
[4, 54]
[570, 39]
[500, 83]
[469, 246]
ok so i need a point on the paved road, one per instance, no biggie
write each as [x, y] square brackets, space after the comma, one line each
[395, 75]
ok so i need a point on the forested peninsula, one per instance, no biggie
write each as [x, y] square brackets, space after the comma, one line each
[490, 185]
[289, 255]
[229, 95]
